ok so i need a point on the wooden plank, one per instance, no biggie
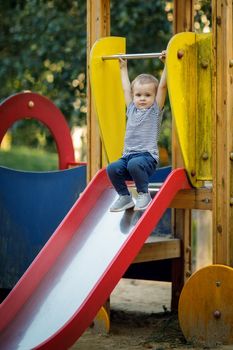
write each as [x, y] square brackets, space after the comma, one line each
[158, 248]
[223, 133]
[193, 199]
[98, 26]
[183, 21]
[187, 243]
[181, 267]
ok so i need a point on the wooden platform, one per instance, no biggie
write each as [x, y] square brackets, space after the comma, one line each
[168, 247]
[159, 248]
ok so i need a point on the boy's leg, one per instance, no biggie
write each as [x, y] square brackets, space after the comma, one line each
[118, 174]
[141, 167]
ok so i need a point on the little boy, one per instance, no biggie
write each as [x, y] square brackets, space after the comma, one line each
[145, 99]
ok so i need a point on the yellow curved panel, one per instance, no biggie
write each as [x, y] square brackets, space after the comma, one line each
[189, 84]
[102, 321]
[108, 94]
[206, 306]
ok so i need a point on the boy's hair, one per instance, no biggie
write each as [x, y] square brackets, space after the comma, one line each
[145, 79]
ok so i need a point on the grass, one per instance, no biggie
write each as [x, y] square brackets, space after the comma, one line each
[23, 158]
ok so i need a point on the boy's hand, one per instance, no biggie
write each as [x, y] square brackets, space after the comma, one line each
[125, 81]
[163, 56]
[123, 63]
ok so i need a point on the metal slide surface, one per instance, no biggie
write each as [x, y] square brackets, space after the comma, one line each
[59, 295]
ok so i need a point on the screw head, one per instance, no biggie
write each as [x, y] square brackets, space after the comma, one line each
[205, 156]
[31, 104]
[180, 53]
[204, 63]
[217, 314]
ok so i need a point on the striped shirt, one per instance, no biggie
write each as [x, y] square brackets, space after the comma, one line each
[142, 130]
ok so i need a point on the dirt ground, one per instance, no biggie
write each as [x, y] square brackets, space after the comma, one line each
[140, 319]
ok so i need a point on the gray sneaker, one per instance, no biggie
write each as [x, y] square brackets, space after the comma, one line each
[143, 201]
[122, 203]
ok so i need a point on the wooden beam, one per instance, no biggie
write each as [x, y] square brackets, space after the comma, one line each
[199, 198]
[98, 25]
[157, 248]
[183, 22]
[183, 16]
[223, 133]
[194, 198]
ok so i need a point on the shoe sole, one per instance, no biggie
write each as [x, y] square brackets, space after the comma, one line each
[127, 206]
[144, 208]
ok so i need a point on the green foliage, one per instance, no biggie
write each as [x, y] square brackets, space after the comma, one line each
[36, 135]
[28, 159]
[42, 49]
[202, 16]
[146, 28]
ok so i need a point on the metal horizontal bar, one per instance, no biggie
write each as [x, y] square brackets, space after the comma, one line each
[134, 56]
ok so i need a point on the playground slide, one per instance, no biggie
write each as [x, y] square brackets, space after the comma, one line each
[59, 295]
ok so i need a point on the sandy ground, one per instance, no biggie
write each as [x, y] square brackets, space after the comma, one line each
[140, 319]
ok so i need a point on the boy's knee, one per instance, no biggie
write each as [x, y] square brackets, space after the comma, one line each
[110, 168]
[133, 165]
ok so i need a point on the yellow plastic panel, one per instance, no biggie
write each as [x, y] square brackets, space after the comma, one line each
[189, 84]
[206, 306]
[108, 95]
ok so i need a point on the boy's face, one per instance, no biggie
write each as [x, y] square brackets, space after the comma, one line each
[143, 95]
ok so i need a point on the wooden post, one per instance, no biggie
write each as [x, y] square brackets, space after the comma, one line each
[181, 268]
[98, 25]
[183, 16]
[223, 133]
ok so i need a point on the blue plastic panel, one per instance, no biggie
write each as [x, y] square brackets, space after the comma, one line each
[32, 204]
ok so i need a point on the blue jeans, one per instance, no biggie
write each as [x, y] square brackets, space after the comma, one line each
[137, 167]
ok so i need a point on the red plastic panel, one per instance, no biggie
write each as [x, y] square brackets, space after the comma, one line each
[32, 105]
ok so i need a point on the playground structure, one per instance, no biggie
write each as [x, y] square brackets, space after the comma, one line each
[52, 264]
[218, 156]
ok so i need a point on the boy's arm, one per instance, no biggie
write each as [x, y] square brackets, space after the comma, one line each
[162, 88]
[125, 81]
